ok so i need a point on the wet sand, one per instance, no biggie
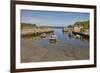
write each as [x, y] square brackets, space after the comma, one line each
[33, 51]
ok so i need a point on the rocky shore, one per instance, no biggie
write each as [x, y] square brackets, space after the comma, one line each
[35, 31]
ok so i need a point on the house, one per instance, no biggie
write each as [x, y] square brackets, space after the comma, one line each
[78, 26]
[68, 28]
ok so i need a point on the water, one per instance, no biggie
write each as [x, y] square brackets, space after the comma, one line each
[65, 39]
[36, 49]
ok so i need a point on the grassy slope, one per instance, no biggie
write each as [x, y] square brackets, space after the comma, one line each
[25, 25]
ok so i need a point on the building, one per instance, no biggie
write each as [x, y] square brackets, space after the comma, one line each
[77, 28]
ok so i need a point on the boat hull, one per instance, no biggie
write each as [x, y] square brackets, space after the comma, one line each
[52, 40]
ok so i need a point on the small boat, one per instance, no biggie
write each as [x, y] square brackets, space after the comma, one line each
[43, 35]
[52, 40]
[78, 36]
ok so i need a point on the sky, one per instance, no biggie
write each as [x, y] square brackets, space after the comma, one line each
[52, 18]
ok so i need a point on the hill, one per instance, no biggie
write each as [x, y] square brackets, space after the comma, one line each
[26, 25]
[84, 24]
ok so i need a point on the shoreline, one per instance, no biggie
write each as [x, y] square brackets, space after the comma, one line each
[35, 31]
[35, 52]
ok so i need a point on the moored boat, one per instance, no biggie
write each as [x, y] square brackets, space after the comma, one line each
[52, 40]
[43, 35]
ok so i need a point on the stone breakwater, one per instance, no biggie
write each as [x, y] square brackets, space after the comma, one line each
[35, 31]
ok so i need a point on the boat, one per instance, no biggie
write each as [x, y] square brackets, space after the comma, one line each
[43, 35]
[78, 36]
[52, 40]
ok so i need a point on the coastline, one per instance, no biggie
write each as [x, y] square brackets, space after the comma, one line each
[35, 31]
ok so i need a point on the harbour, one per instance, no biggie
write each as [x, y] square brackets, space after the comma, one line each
[37, 49]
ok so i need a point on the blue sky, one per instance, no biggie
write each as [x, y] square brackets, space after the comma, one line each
[52, 18]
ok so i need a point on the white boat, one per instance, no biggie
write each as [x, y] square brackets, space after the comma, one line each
[43, 35]
[53, 39]
[78, 36]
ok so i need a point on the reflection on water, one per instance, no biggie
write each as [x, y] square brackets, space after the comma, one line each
[62, 37]
[65, 45]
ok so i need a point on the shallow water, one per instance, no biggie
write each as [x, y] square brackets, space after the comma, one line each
[63, 39]
[36, 49]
